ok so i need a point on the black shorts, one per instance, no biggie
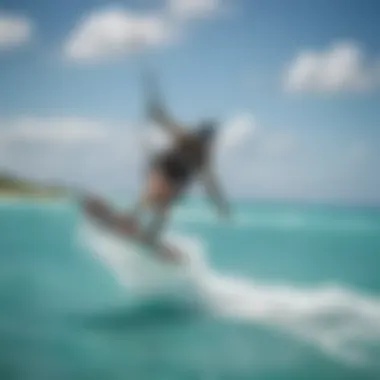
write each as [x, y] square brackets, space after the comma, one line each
[173, 167]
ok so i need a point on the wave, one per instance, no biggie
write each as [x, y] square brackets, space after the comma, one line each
[290, 220]
[340, 322]
[257, 219]
[140, 270]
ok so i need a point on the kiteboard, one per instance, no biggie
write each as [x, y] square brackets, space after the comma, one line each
[125, 226]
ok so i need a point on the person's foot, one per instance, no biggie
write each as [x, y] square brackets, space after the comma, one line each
[128, 224]
[170, 253]
[96, 207]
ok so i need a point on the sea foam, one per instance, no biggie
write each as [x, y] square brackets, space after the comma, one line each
[340, 322]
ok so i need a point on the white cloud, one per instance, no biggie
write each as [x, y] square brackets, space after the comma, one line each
[114, 32]
[14, 31]
[156, 139]
[341, 67]
[252, 160]
[236, 131]
[192, 9]
[89, 150]
[70, 149]
[255, 160]
[244, 143]
[55, 130]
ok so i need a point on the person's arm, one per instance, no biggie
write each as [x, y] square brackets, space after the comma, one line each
[160, 116]
[214, 192]
[156, 110]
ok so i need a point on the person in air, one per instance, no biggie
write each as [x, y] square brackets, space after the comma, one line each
[170, 173]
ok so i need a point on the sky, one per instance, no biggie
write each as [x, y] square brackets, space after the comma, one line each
[295, 86]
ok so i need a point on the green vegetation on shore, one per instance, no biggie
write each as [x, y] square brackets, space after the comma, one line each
[11, 186]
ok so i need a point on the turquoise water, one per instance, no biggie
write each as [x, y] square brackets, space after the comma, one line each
[283, 292]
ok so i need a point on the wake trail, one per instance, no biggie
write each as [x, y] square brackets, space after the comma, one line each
[340, 322]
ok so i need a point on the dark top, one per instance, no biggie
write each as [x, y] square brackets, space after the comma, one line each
[180, 163]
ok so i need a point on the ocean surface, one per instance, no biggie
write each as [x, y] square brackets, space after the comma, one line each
[283, 291]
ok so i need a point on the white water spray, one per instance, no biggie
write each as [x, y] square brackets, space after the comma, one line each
[338, 321]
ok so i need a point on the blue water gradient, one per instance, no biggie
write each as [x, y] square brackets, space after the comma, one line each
[283, 292]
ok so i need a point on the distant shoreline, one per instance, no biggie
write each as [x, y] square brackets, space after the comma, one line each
[12, 199]
[12, 187]
[6, 193]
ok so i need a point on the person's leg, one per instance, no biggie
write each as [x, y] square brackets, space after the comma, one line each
[150, 210]
[147, 196]
[161, 212]
[156, 225]
[139, 207]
